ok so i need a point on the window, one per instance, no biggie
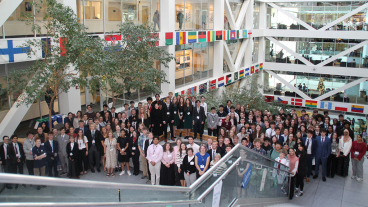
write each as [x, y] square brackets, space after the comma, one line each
[93, 10]
[114, 11]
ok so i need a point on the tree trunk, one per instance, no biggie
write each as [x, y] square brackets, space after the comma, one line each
[50, 111]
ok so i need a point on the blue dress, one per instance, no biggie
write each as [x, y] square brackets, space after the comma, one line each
[202, 160]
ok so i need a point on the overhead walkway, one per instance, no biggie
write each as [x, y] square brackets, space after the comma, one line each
[260, 187]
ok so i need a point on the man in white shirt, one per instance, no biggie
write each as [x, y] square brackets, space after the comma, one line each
[271, 131]
[310, 144]
[193, 145]
[154, 156]
[204, 105]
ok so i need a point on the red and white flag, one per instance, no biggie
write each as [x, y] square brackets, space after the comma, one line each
[297, 101]
[341, 107]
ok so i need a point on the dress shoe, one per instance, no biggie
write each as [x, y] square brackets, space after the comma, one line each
[172, 139]
[324, 179]
[308, 180]
[165, 140]
[315, 176]
[98, 170]
[70, 177]
[93, 170]
[78, 177]
[9, 187]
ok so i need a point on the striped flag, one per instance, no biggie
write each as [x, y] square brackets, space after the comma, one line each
[218, 35]
[325, 105]
[269, 99]
[310, 103]
[63, 41]
[341, 107]
[225, 37]
[261, 66]
[237, 34]
[112, 38]
[202, 88]
[46, 47]
[192, 37]
[297, 101]
[246, 71]
[202, 36]
[257, 68]
[210, 36]
[252, 70]
[357, 108]
[169, 38]
[241, 74]
[182, 92]
[282, 101]
[180, 38]
[220, 82]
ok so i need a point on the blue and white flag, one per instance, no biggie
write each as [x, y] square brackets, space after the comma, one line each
[12, 51]
[325, 105]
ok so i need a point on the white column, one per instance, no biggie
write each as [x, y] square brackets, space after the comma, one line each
[70, 101]
[170, 73]
[218, 49]
[262, 15]
[249, 26]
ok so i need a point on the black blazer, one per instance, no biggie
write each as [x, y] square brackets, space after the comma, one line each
[134, 144]
[98, 139]
[48, 149]
[168, 113]
[146, 122]
[2, 154]
[323, 126]
[12, 155]
[201, 114]
[146, 145]
[135, 120]
[102, 113]
[74, 154]
[156, 117]
[187, 167]
[217, 151]
[86, 129]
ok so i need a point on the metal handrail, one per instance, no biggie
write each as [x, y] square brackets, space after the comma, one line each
[257, 163]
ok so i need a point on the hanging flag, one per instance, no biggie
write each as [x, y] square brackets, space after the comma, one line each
[201, 36]
[257, 68]
[282, 101]
[261, 66]
[249, 33]
[182, 92]
[310, 103]
[232, 34]
[241, 74]
[169, 38]
[325, 105]
[13, 51]
[203, 88]
[218, 35]
[220, 82]
[269, 99]
[246, 71]
[189, 92]
[341, 107]
[212, 84]
[193, 90]
[357, 108]
[297, 101]
[236, 76]
[245, 33]
[228, 79]
[252, 70]
[225, 37]
[176, 94]
[237, 34]
[63, 41]
[210, 36]
[192, 37]
[46, 46]
[112, 38]
[180, 38]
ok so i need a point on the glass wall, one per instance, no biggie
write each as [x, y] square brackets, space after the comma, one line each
[316, 50]
[194, 15]
[194, 62]
[318, 14]
[255, 49]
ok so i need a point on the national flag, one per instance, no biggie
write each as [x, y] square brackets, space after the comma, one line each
[341, 107]
[357, 108]
[220, 82]
[297, 101]
[169, 38]
[241, 73]
[201, 36]
[63, 41]
[46, 47]
[246, 71]
[193, 90]
[225, 37]
[282, 101]
[325, 105]
[182, 92]
[261, 66]
[192, 37]
[212, 84]
[269, 99]
[176, 94]
[310, 103]
[112, 38]
[13, 51]
[229, 79]
[181, 38]
[245, 33]
[232, 34]
[218, 35]
[249, 33]
[203, 88]
[189, 92]
[257, 68]
[236, 76]
[210, 36]
[237, 34]
[252, 70]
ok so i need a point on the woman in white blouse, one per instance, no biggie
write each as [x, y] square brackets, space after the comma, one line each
[82, 142]
[180, 154]
[343, 155]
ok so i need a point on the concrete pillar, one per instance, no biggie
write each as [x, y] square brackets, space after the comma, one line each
[70, 101]
[218, 50]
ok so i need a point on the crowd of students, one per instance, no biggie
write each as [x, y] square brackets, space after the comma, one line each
[109, 140]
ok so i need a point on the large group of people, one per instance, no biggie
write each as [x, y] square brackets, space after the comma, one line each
[108, 140]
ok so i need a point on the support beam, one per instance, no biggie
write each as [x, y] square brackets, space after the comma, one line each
[290, 51]
[343, 53]
[228, 58]
[338, 20]
[229, 14]
[241, 53]
[333, 92]
[295, 89]
[291, 16]
[240, 19]
[7, 7]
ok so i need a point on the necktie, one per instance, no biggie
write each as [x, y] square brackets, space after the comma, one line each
[93, 136]
[308, 143]
[323, 140]
[278, 172]
[213, 154]
[72, 146]
[16, 149]
[134, 139]
[62, 137]
[6, 151]
[52, 146]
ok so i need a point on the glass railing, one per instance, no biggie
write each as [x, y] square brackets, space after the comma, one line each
[240, 174]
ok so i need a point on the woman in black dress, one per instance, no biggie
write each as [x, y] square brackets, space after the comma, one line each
[181, 115]
[156, 121]
[123, 157]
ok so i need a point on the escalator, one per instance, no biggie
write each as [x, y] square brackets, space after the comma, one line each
[241, 178]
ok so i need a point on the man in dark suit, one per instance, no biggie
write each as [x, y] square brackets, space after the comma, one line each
[311, 146]
[105, 107]
[133, 119]
[72, 151]
[326, 124]
[113, 113]
[147, 143]
[317, 132]
[5, 160]
[82, 127]
[198, 119]
[322, 152]
[16, 156]
[94, 147]
[168, 112]
[340, 124]
[212, 152]
[157, 101]
[69, 119]
[52, 149]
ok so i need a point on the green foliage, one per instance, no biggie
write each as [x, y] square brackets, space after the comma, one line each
[248, 95]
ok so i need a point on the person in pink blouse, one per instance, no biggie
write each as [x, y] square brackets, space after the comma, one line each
[167, 172]
[154, 156]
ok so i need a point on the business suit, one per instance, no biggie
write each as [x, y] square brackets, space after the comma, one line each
[63, 156]
[16, 162]
[168, 114]
[322, 152]
[147, 143]
[72, 157]
[310, 155]
[52, 160]
[133, 119]
[325, 126]
[280, 138]
[135, 158]
[283, 138]
[114, 115]
[210, 152]
[102, 113]
[5, 161]
[85, 130]
[94, 148]
[198, 117]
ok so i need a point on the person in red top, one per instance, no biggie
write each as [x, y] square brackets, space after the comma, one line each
[357, 152]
